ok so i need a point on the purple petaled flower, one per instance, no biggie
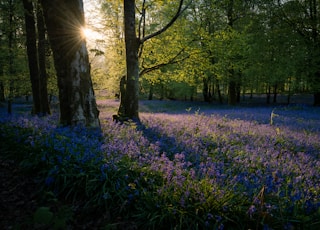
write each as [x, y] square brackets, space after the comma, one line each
[218, 218]
[49, 181]
[251, 210]
[209, 216]
[182, 202]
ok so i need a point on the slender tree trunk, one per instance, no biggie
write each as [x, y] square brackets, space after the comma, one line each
[268, 94]
[64, 20]
[232, 86]
[44, 100]
[238, 92]
[275, 93]
[131, 102]
[162, 91]
[32, 54]
[10, 46]
[2, 97]
[232, 93]
[213, 92]
[121, 111]
[150, 96]
[219, 93]
[316, 94]
[316, 97]
[205, 89]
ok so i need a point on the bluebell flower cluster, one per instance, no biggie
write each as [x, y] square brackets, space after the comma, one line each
[214, 166]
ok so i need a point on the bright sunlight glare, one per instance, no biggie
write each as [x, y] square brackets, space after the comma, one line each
[87, 33]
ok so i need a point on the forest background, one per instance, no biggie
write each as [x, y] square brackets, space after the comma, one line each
[215, 51]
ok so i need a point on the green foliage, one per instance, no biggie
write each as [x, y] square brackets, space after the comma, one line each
[214, 42]
[43, 217]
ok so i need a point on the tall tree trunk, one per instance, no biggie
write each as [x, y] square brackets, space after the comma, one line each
[316, 97]
[64, 20]
[131, 102]
[316, 94]
[219, 93]
[44, 100]
[162, 91]
[150, 96]
[232, 85]
[232, 93]
[268, 94]
[205, 89]
[10, 46]
[32, 54]
[275, 93]
[238, 92]
[2, 97]
[121, 110]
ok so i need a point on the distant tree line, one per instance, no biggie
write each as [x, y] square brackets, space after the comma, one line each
[218, 48]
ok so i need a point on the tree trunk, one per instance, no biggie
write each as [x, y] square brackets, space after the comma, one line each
[219, 93]
[205, 89]
[162, 91]
[44, 100]
[268, 94]
[121, 111]
[10, 46]
[150, 96]
[316, 97]
[131, 102]
[32, 54]
[238, 92]
[275, 93]
[213, 92]
[232, 93]
[2, 97]
[316, 89]
[64, 20]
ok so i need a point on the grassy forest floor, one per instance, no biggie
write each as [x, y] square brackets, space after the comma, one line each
[26, 203]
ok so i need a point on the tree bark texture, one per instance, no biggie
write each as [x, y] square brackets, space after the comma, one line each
[32, 54]
[10, 46]
[121, 111]
[64, 20]
[43, 79]
[131, 101]
[232, 93]
[2, 97]
[36, 59]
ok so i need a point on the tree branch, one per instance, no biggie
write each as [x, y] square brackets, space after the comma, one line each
[142, 19]
[173, 60]
[176, 16]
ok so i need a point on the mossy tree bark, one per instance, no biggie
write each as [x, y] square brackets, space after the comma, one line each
[64, 20]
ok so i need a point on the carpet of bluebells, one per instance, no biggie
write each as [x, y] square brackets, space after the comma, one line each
[183, 166]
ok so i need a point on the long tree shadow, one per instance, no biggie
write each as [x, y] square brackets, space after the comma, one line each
[169, 145]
